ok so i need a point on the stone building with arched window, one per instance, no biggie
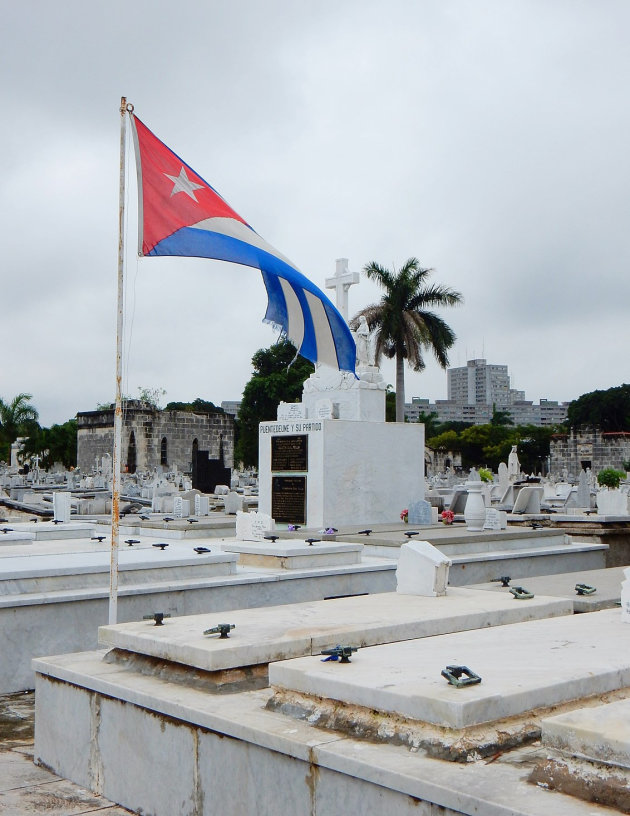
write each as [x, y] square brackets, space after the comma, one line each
[155, 439]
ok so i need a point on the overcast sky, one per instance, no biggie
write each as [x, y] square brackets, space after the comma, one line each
[488, 138]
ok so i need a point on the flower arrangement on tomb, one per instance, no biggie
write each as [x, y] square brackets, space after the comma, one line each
[447, 516]
[404, 515]
[485, 475]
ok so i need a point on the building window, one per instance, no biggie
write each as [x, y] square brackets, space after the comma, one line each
[164, 452]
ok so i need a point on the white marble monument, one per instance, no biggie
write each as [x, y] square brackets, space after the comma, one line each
[422, 570]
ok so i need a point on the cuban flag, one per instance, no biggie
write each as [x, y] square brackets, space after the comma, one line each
[181, 214]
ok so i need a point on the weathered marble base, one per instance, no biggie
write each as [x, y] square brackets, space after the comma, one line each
[66, 620]
[291, 554]
[523, 667]
[277, 633]
[607, 583]
[482, 556]
[600, 734]
[195, 753]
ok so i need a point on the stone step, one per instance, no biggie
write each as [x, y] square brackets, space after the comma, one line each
[523, 667]
[606, 582]
[455, 540]
[54, 573]
[294, 554]
[474, 568]
[277, 633]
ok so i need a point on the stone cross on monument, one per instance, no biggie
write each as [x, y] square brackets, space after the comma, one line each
[341, 282]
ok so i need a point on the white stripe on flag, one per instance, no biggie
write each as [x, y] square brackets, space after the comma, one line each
[326, 351]
[295, 318]
[236, 229]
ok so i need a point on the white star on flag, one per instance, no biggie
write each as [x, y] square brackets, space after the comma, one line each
[182, 184]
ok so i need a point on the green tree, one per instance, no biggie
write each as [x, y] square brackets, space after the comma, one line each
[55, 444]
[500, 417]
[197, 406]
[403, 327]
[278, 377]
[486, 445]
[490, 444]
[533, 446]
[17, 418]
[152, 396]
[430, 422]
[607, 410]
[448, 441]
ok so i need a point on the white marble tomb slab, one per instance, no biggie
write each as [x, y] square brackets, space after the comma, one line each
[6, 539]
[294, 553]
[607, 583]
[266, 634]
[600, 733]
[523, 667]
[47, 530]
[46, 572]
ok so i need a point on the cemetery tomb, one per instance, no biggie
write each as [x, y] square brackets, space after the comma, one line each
[275, 633]
[524, 668]
[587, 754]
[167, 721]
[294, 554]
[606, 584]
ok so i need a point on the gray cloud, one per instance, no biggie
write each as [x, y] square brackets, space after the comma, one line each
[489, 139]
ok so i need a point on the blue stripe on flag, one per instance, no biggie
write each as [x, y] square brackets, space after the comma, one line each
[276, 307]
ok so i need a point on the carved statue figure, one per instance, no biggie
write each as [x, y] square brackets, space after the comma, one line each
[514, 466]
[362, 340]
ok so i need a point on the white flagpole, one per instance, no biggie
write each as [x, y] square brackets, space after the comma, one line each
[116, 458]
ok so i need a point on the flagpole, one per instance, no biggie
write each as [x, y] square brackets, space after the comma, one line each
[116, 458]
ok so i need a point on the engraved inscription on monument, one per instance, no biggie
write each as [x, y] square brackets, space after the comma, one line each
[288, 499]
[289, 453]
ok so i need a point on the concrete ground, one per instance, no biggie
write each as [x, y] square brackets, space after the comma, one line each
[26, 788]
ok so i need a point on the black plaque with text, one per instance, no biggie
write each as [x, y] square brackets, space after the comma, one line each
[288, 499]
[289, 453]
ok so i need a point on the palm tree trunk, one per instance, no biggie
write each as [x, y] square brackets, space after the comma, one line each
[400, 388]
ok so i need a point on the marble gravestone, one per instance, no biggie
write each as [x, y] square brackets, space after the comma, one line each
[528, 500]
[495, 519]
[504, 476]
[202, 505]
[422, 570]
[584, 491]
[181, 507]
[253, 526]
[291, 410]
[420, 512]
[233, 503]
[62, 508]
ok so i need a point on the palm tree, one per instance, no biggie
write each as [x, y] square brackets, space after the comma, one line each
[403, 328]
[15, 418]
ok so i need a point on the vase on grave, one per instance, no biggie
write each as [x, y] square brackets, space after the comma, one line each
[475, 510]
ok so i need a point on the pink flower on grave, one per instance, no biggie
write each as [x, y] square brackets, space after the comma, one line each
[404, 515]
[448, 516]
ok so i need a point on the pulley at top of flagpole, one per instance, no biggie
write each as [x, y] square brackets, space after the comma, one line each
[125, 107]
